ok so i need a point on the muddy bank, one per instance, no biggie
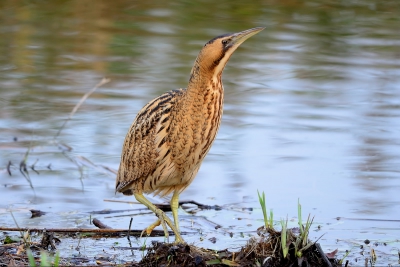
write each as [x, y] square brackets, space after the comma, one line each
[265, 249]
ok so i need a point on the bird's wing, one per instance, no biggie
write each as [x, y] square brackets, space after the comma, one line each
[144, 141]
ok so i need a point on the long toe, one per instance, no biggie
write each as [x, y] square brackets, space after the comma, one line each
[151, 227]
[164, 219]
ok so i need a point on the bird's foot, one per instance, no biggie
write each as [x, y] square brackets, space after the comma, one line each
[160, 221]
[150, 228]
[164, 220]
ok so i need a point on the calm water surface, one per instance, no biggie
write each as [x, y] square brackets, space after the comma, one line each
[312, 111]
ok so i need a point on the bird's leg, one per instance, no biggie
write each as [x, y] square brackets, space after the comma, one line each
[160, 214]
[151, 227]
[174, 207]
[162, 218]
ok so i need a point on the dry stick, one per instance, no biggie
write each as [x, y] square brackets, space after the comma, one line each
[122, 201]
[77, 106]
[79, 242]
[18, 228]
[323, 256]
[9, 167]
[74, 110]
[100, 225]
[167, 207]
[33, 166]
[23, 166]
[108, 169]
[81, 230]
[129, 230]
[129, 234]
[23, 170]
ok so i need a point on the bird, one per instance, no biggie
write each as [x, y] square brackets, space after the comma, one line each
[170, 136]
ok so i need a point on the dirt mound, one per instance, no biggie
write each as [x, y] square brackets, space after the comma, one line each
[259, 251]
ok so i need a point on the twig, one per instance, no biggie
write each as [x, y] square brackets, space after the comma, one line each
[323, 256]
[48, 239]
[129, 234]
[114, 211]
[200, 205]
[81, 230]
[129, 230]
[100, 225]
[20, 230]
[108, 169]
[167, 207]
[36, 213]
[121, 201]
[33, 166]
[9, 167]
[79, 242]
[23, 169]
[77, 106]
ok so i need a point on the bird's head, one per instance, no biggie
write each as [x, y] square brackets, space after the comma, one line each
[216, 53]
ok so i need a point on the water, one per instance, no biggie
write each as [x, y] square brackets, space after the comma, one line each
[312, 107]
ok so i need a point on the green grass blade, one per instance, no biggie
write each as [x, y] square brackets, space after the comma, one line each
[261, 199]
[43, 259]
[299, 217]
[57, 259]
[271, 219]
[285, 248]
[31, 259]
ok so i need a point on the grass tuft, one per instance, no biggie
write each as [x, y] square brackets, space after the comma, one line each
[302, 242]
[45, 259]
[269, 222]
[290, 243]
[284, 238]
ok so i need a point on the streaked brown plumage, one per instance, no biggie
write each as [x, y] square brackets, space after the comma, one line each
[172, 134]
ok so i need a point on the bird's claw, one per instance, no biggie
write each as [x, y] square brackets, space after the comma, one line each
[163, 221]
[150, 228]
[161, 215]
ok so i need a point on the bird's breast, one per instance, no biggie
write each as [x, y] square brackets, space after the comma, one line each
[201, 118]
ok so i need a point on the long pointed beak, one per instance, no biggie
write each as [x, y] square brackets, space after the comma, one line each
[240, 37]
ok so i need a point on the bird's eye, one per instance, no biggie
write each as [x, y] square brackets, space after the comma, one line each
[224, 42]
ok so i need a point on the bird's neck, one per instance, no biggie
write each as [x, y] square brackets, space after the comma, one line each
[203, 89]
[204, 81]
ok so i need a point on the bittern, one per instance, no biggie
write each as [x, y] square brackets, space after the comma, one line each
[171, 135]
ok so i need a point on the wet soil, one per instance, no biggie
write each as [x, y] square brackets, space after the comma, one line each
[259, 251]
[263, 250]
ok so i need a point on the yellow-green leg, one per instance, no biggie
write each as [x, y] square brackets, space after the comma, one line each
[162, 218]
[151, 227]
[174, 207]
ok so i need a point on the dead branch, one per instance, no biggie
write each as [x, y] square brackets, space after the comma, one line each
[77, 106]
[167, 207]
[9, 167]
[36, 213]
[100, 225]
[82, 230]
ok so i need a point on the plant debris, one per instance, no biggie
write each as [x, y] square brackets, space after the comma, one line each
[264, 250]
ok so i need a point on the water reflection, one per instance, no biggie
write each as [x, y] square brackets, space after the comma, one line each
[311, 105]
